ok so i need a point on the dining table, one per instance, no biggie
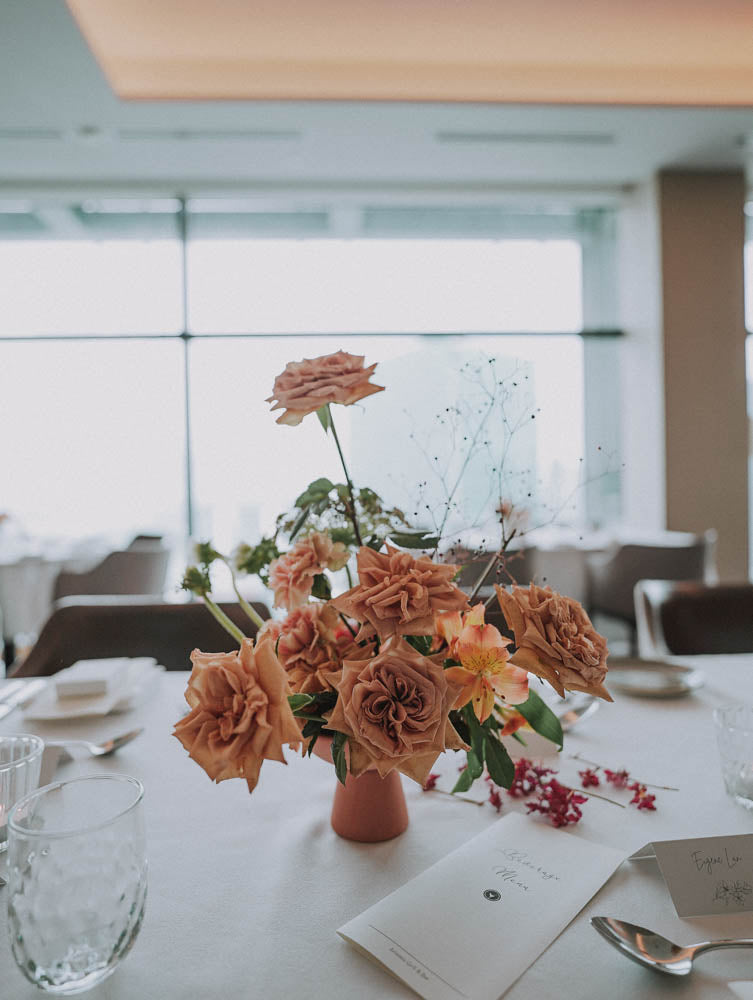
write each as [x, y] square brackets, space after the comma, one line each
[246, 892]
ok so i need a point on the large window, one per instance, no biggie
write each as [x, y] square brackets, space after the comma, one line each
[138, 341]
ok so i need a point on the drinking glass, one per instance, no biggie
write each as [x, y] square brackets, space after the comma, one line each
[20, 761]
[734, 736]
[77, 880]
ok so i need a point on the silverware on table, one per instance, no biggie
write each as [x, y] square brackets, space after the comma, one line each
[97, 749]
[577, 713]
[22, 696]
[655, 951]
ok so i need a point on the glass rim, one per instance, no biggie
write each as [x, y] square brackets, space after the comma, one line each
[37, 747]
[80, 830]
[723, 716]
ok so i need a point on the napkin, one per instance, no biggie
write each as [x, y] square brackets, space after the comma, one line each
[137, 679]
[86, 678]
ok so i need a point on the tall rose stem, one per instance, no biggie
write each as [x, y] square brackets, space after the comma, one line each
[347, 478]
[250, 611]
[223, 619]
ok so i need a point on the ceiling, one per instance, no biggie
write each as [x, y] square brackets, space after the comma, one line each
[62, 128]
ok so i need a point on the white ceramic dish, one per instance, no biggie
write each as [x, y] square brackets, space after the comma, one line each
[651, 678]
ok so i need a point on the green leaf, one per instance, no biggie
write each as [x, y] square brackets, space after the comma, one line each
[541, 717]
[464, 782]
[325, 417]
[414, 539]
[421, 643]
[312, 744]
[299, 521]
[501, 768]
[519, 738]
[478, 735]
[312, 728]
[338, 756]
[315, 492]
[297, 701]
[321, 587]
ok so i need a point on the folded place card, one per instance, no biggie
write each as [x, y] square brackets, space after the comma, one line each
[706, 876]
[133, 684]
[472, 924]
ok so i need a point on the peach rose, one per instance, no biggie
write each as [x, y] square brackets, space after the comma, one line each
[398, 594]
[306, 385]
[395, 709]
[309, 649]
[239, 712]
[555, 639]
[291, 576]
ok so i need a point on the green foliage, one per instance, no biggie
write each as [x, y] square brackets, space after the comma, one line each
[196, 581]
[501, 768]
[325, 417]
[316, 495]
[205, 554]
[338, 756]
[541, 718]
[326, 506]
[414, 539]
[256, 558]
[421, 643]
[321, 587]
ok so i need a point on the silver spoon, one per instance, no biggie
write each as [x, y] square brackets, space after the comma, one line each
[654, 951]
[577, 713]
[97, 749]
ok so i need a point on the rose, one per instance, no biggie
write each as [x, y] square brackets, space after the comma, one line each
[291, 576]
[398, 594]
[395, 709]
[555, 639]
[305, 386]
[239, 712]
[310, 648]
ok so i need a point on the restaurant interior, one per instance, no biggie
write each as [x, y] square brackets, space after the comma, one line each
[531, 218]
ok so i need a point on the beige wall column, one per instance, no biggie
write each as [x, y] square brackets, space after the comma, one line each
[702, 228]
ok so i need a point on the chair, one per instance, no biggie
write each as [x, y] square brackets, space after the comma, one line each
[612, 575]
[137, 570]
[689, 618]
[94, 628]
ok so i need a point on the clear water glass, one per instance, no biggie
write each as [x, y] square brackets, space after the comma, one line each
[77, 880]
[20, 762]
[734, 736]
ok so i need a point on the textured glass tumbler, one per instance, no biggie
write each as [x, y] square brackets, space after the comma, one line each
[20, 761]
[734, 735]
[77, 880]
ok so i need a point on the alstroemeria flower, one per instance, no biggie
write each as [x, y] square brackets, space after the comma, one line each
[513, 721]
[485, 673]
[450, 624]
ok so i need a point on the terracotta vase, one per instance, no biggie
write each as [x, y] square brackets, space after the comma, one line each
[368, 808]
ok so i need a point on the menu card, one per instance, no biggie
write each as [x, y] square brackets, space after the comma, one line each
[471, 924]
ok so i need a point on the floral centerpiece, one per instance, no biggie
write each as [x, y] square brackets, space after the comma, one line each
[400, 666]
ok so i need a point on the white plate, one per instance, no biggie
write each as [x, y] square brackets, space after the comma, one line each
[651, 678]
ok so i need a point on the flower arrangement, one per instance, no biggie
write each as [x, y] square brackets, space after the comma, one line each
[400, 666]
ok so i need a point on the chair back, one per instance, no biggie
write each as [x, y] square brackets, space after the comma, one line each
[690, 618]
[139, 570]
[94, 628]
[612, 576]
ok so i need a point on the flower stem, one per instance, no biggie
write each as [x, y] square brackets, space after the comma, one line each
[223, 619]
[347, 625]
[347, 478]
[663, 788]
[250, 611]
[458, 798]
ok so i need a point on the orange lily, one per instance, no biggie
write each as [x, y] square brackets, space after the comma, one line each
[485, 672]
[513, 721]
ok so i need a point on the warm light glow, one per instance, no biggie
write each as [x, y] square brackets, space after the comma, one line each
[540, 51]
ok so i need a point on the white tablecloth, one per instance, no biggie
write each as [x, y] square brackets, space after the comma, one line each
[246, 891]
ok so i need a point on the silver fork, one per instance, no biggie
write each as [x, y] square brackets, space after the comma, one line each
[97, 749]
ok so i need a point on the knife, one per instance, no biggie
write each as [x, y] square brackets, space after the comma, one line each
[21, 697]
